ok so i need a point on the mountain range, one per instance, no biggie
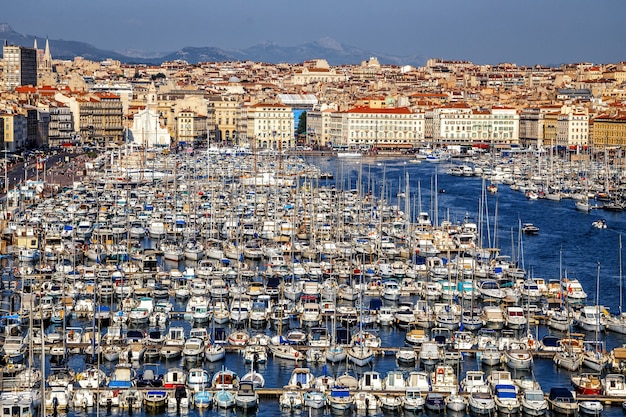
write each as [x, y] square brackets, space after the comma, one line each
[336, 53]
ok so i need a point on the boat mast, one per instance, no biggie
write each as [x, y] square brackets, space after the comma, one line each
[620, 274]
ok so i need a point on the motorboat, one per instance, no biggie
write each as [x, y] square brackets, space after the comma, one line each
[255, 377]
[198, 379]
[301, 378]
[389, 402]
[443, 379]
[340, 399]
[506, 399]
[246, 397]
[614, 385]
[587, 383]
[534, 403]
[456, 402]
[562, 401]
[435, 402]
[365, 401]
[430, 353]
[314, 398]
[530, 229]
[370, 381]
[225, 379]
[518, 358]
[413, 399]
[291, 400]
[474, 381]
[481, 403]
[406, 355]
[155, 399]
[174, 377]
[590, 407]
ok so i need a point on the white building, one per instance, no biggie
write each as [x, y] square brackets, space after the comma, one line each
[147, 130]
[271, 126]
[573, 128]
[461, 125]
[368, 128]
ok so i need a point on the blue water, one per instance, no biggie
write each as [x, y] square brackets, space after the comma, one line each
[567, 243]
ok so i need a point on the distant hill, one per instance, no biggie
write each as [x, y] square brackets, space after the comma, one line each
[334, 52]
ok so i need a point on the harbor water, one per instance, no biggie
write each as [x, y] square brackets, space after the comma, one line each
[567, 245]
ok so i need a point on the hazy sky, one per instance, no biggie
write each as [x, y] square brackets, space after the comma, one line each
[483, 31]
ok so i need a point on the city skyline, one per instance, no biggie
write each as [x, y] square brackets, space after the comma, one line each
[481, 31]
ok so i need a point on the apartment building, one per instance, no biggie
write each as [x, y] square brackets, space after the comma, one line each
[98, 117]
[379, 128]
[462, 125]
[271, 126]
[224, 115]
[190, 127]
[13, 128]
[20, 66]
[609, 131]
[573, 128]
[61, 126]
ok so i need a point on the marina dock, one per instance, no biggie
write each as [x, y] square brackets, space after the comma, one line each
[277, 273]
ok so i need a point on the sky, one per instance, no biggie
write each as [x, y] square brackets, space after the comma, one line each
[546, 32]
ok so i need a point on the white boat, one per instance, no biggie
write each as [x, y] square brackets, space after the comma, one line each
[365, 401]
[568, 359]
[198, 379]
[443, 379]
[406, 355]
[456, 402]
[518, 358]
[91, 378]
[214, 352]
[83, 398]
[481, 403]
[590, 407]
[413, 400]
[246, 397]
[291, 400]
[591, 319]
[57, 399]
[301, 378]
[336, 354]
[506, 399]
[614, 385]
[534, 403]
[430, 353]
[340, 399]
[389, 402]
[256, 378]
[360, 355]
[490, 355]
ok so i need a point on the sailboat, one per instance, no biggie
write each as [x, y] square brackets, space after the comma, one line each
[617, 323]
[335, 353]
[214, 352]
[359, 353]
[594, 356]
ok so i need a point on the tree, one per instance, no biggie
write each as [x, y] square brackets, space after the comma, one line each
[301, 129]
